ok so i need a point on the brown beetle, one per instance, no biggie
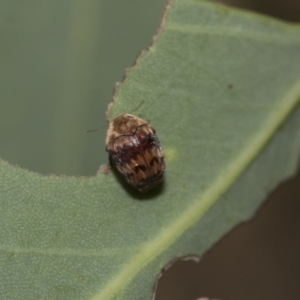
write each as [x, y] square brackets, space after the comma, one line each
[135, 151]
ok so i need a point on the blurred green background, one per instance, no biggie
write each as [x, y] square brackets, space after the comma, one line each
[59, 61]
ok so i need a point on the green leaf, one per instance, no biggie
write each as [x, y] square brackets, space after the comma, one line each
[221, 87]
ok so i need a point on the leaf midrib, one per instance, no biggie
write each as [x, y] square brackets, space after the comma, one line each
[242, 33]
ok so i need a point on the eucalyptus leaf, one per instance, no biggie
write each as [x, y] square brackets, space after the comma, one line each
[221, 86]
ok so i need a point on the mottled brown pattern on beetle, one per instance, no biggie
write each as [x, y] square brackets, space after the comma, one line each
[136, 151]
[125, 124]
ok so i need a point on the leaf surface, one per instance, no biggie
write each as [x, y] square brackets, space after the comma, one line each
[221, 87]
